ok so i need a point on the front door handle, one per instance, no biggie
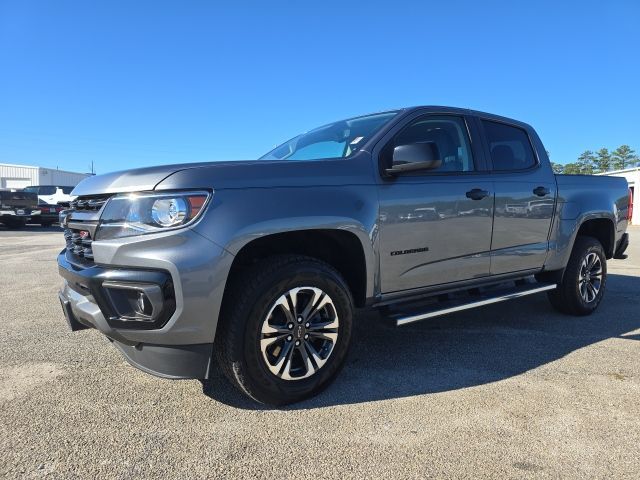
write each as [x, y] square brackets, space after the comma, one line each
[541, 191]
[477, 194]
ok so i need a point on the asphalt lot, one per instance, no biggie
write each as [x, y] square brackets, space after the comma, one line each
[508, 391]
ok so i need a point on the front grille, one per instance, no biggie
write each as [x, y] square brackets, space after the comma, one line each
[78, 231]
[79, 243]
[88, 204]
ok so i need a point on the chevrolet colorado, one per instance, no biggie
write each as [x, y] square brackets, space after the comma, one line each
[259, 265]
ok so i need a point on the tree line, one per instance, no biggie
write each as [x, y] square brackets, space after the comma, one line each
[602, 160]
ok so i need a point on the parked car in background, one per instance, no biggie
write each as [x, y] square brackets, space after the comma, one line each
[49, 214]
[259, 265]
[52, 194]
[17, 208]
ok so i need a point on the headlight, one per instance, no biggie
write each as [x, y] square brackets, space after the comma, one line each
[169, 212]
[140, 213]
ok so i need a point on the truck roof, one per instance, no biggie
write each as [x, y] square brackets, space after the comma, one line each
[467, 111]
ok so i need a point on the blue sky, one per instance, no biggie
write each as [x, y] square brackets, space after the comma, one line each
[128, 84]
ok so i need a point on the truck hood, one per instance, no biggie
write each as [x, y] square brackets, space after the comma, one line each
[140, 179]
[231, 174]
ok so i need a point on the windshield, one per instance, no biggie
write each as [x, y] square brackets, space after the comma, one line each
[336, 140]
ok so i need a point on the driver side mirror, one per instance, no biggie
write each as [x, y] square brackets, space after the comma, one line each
[415, 156]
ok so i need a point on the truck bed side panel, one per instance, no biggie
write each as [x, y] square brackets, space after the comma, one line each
[582, 198]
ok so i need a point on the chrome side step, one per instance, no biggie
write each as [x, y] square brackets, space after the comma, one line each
[493, 297]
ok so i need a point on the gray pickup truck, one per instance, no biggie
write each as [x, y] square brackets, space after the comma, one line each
[257, 266]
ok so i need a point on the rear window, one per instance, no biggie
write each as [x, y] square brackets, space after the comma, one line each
[509, 146]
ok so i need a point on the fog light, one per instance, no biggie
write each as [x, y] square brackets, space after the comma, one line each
[133, 302]
[143, 306]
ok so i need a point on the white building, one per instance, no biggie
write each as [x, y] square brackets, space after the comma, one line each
[633, 179]
[20, 176]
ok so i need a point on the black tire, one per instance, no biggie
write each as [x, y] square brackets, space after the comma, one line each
[249, 298]
[568, 298]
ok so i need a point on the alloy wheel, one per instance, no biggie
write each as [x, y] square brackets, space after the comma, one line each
[299, 333]
[590, 277]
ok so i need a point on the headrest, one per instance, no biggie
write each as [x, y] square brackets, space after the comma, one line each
[503, 157]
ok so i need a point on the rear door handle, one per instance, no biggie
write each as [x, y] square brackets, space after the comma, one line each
[477, 194]
[541, 191]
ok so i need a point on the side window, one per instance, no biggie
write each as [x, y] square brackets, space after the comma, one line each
[47, 190]
[509, 146]
[67, 190]
[448, 133]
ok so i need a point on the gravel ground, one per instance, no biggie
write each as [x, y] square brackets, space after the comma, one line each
[511, 390]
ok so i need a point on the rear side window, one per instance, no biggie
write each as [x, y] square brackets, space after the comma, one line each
[67, 190]
[509, 146]
[47, 190]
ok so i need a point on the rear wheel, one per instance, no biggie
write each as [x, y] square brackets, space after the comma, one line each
[285, 329]
[584, 280]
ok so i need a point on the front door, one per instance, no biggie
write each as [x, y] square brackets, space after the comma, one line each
[435, 225]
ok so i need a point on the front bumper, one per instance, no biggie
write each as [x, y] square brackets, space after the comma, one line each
[179, 343]
[99, 309]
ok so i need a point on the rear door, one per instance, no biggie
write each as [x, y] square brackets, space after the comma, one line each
[435, 225]
[525, 194]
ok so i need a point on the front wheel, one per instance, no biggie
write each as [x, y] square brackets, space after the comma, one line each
[285, 329]
[584, 280]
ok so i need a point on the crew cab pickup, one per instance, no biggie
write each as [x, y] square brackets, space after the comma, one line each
[259, 265]
[51, 194]
[18, 207]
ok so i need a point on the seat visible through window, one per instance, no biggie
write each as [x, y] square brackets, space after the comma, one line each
[509, 146]
[503, 157]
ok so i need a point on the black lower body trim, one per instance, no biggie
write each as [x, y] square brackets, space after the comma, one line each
[622, 246]
[169, 361]
[72, 321]
[443, 288]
